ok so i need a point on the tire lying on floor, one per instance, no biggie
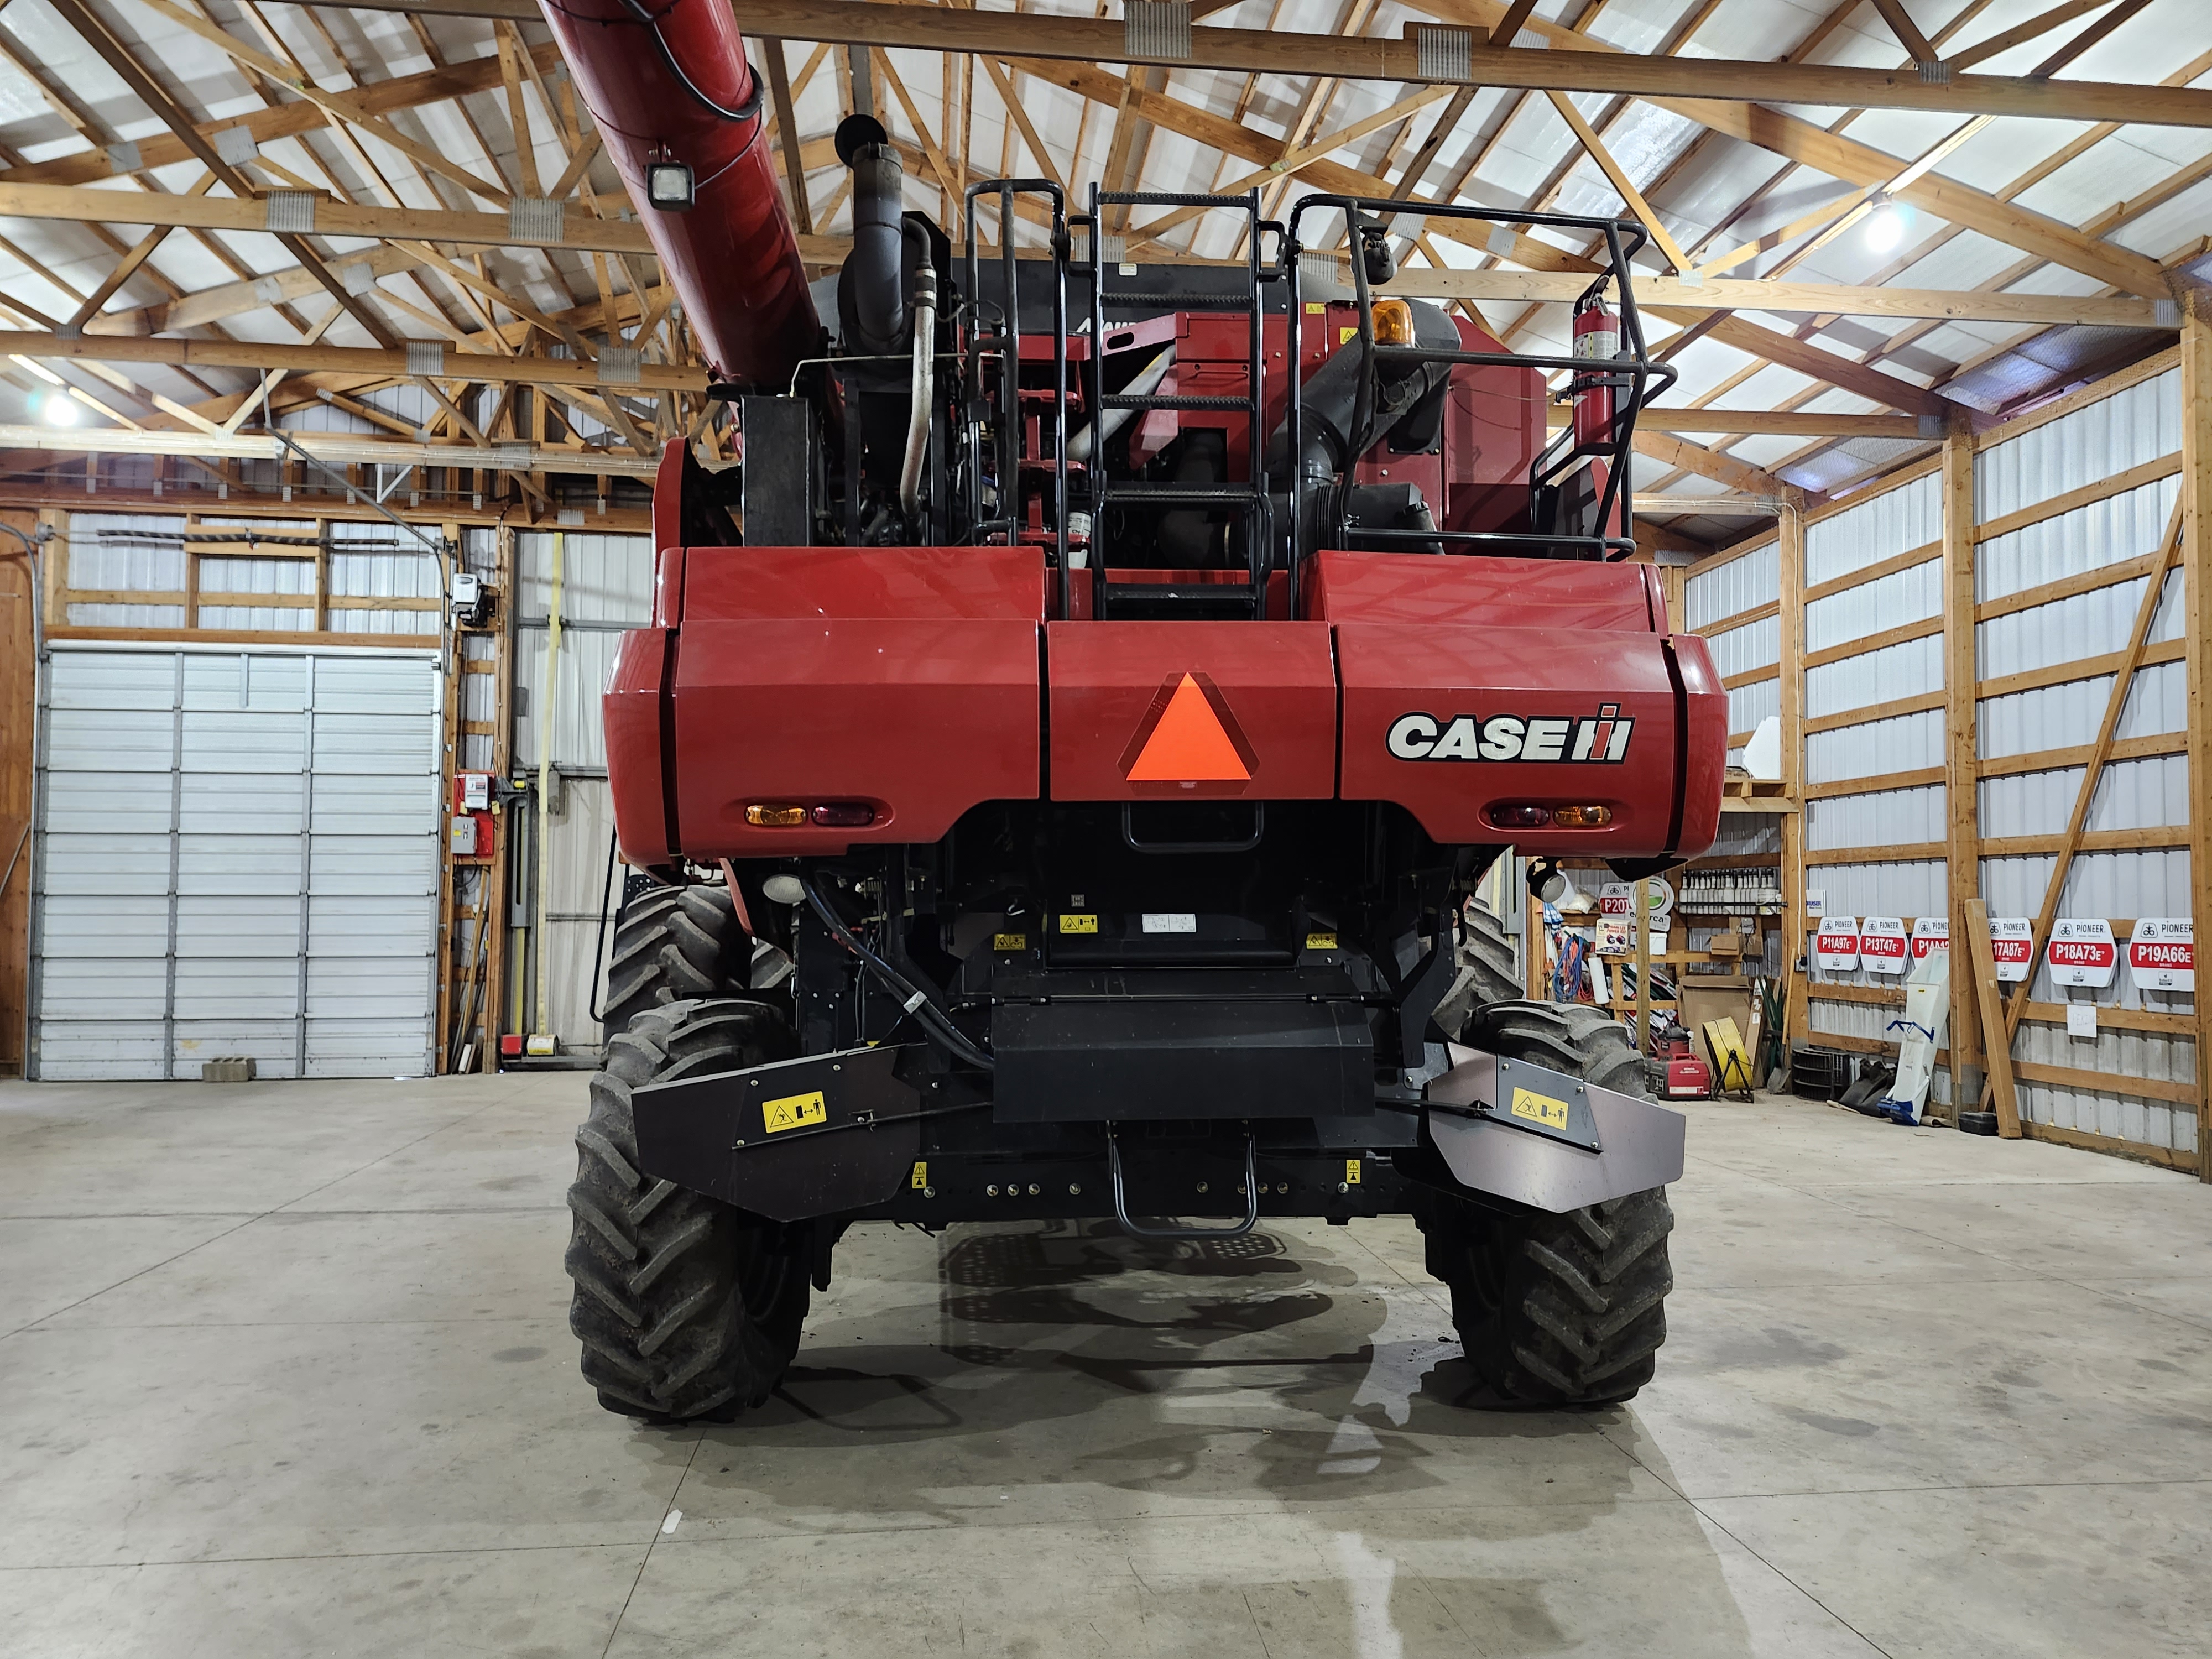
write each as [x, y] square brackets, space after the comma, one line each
[686, 1307]
[1557, 1309]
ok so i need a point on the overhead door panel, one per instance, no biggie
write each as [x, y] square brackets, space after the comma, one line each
[238, 857]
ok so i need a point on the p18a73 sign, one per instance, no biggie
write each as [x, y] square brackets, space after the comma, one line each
[2082, 952]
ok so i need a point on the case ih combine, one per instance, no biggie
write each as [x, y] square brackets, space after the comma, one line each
[1065, 750]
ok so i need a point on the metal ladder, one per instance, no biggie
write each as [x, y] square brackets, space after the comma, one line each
[1249, 497]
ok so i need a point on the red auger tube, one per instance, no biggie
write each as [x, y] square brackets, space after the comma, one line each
[667, 81]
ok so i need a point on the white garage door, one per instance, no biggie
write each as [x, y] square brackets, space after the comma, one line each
[238, 857]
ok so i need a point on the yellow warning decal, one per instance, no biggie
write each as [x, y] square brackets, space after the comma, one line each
[1345, 334]
[793, 1112]
[1078, 924]
[1314, 307]
[1321, 941]
[1540, 1109]
[1352, 1172]
[1010, 941]
[921, 1176]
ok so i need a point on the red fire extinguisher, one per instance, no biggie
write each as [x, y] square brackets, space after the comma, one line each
[1597, 338]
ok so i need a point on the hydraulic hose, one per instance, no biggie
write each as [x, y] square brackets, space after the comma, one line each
[914, 1000]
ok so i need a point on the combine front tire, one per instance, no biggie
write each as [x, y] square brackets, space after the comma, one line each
[686, 1307]
[1558, 1309]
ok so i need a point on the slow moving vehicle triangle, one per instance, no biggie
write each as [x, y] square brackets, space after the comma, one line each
[1188, 743]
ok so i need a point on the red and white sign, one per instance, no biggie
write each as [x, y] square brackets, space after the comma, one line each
[1836, 946]
[2082, 952]
[1929, 933]
[2012, 945]
[1882, 947]
[2162, 955]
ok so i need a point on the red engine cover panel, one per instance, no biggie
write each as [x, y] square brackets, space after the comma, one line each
[1419, 587]
[737, 583]
[903, 678]
[1451, 720]
[1257, 717]
[631, 709]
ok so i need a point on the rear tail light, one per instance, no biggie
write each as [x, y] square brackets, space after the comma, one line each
[766, 815]
[1581, 817]
[1520, 818]
[844, 814]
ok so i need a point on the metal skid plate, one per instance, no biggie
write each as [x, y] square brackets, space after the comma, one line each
[1602, 1145]
[796, 1138]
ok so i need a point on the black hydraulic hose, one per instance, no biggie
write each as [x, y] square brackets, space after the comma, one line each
[913, 999]
[599, 949]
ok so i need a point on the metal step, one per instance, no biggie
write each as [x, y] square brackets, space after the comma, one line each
[1123, 400]
[1148, 494]
[1178, 300]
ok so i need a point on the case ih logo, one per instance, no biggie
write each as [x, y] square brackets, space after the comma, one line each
[1602, 738]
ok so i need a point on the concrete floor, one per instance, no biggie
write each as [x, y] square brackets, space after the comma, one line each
[285, 1372]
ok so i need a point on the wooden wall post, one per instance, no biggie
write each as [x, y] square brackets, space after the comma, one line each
[2197, 572]
[18, 588]
[1789, 558]
[1962, 843]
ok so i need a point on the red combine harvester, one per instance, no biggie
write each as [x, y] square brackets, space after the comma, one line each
[1062, 757]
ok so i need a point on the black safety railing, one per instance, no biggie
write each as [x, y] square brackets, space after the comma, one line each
[1247, 496]
[1005, 342]
[1630, 375]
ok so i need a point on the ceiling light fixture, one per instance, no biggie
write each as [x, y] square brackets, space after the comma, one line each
[1885, 228]
[60, 409]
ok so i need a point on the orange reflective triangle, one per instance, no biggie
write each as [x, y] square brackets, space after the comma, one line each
[1189, 744]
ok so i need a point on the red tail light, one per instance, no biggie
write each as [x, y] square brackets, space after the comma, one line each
[1519, 818]
[844, 815]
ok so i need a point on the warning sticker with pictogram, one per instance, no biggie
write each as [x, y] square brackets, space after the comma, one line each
[1188, 737]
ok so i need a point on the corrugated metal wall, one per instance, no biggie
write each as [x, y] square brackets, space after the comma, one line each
[1750, 581]
[606, 585]
[2135, 427]
[1901, 520]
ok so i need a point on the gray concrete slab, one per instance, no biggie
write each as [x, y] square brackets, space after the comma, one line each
[285, 1370]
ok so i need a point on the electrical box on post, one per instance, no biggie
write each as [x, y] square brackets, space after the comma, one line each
[470, 832]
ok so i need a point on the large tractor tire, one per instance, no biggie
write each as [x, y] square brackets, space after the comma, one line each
[1558, 1309]
[1487, 970]
[675, 942]
[686, 1307]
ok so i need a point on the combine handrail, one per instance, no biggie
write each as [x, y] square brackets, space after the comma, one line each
[1633, 369]
[1008, 339]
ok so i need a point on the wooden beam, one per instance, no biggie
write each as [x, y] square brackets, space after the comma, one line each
[2195, 507]
[258, 355]
[1855, 163]
[333, 448]
[2020, 34]
[1982, 960]
[332, 218]
[1083, 40]
[1961, 783]
[1805, 298]
[1593, 146]
[285, 120]
[1789, 553]
[787, 133]
[110, 50]
[1907, 31]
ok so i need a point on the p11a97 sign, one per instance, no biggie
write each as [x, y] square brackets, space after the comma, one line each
[2162, 954]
